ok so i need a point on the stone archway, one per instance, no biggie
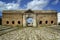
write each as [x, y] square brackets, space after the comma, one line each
[29, 14]
[26, 17]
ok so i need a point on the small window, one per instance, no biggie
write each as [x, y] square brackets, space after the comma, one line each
[12, 22]
[46, 22]
[7, 22]
[51, 22]
[40, 22]
[18, 22]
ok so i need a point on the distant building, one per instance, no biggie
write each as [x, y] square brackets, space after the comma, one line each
[20, 17]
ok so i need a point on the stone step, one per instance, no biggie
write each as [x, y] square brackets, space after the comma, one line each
[4, 31]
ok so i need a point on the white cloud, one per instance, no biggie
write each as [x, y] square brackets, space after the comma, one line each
[55, 2]
[12, 6]
[8, 6]
[58, 17]
[37, 4]
[1, 3]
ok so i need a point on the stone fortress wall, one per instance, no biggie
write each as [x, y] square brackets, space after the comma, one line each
[18, 17]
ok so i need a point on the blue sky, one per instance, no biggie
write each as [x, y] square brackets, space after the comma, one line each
[29, 4]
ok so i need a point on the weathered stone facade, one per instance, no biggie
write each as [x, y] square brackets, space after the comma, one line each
[18, 17]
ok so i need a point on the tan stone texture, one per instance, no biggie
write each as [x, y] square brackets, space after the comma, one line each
[37, 15]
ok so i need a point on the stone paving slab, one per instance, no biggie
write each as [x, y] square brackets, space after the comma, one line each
[30, 33]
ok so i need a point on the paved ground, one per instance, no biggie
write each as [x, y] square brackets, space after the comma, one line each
[6, 29]
[30, 33]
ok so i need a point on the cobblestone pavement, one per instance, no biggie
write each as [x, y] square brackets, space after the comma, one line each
[30, 33]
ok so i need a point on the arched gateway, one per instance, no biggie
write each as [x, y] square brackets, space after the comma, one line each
[29, 18]
[29, 14]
